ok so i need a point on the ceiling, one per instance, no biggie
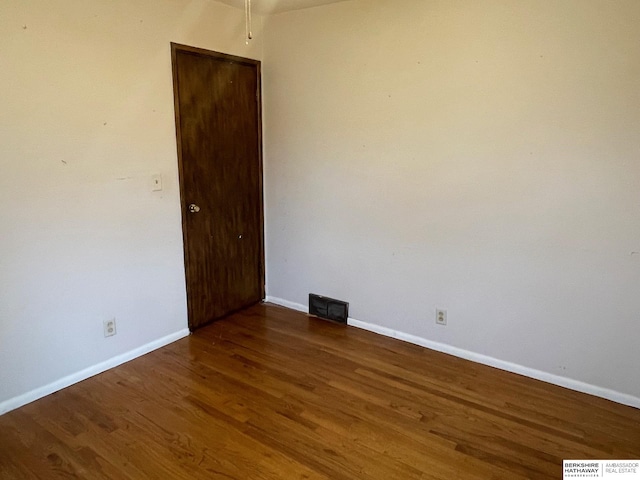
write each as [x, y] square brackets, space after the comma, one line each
[277, 6]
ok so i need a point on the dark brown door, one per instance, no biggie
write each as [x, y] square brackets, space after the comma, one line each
[218, 123]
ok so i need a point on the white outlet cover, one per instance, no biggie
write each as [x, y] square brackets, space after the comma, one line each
[110, 327]
[441, 317]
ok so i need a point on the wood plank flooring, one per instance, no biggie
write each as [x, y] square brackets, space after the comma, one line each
[272, 394]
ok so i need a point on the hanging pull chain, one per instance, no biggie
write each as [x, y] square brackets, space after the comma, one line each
[247, 20]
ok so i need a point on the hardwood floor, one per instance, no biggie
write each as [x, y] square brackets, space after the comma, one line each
[272, 394]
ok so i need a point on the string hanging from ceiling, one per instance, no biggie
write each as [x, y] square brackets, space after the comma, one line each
[247, 20]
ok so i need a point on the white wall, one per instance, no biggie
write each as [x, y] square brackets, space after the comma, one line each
[86, 117]
[480, 157]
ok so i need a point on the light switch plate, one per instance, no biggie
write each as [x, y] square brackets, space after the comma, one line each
[156, 183]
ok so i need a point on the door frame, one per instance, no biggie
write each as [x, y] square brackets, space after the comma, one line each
[175, 48]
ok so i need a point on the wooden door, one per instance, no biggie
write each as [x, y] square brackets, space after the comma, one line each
[218, 125]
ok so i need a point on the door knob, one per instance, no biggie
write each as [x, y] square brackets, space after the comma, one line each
[193, 208]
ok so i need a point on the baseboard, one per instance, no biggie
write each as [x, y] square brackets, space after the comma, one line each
[565, 382]
[20, 400]
[286, 303]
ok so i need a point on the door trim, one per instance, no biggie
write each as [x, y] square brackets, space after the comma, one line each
[175, 48]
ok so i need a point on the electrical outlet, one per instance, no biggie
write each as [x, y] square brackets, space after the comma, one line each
[110, 327]
[441, 317]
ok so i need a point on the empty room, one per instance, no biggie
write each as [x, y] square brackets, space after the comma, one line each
[314, 239]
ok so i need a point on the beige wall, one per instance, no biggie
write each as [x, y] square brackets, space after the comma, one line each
[86, 118]
[479, 157]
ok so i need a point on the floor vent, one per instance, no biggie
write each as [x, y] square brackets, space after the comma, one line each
[329, 308]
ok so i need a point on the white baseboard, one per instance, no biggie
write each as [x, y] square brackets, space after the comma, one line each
[286, 303]
[566, 382]
[20, 400]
